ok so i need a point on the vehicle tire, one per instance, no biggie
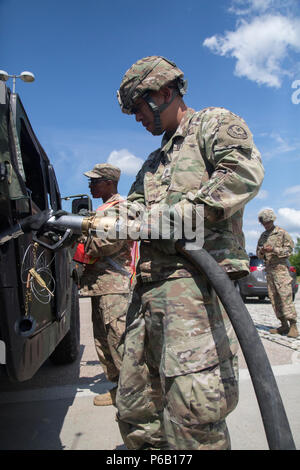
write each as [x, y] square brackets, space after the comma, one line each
[67, 350]
[261, 297]
[293, 296]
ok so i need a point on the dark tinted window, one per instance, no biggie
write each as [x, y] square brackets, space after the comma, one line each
[32, 168]
[254, 261]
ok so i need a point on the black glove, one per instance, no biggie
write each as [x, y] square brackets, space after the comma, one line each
[165, 246]
[59, 213]
[84, 212]
[34, 222]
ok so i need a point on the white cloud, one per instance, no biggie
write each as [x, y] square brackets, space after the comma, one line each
[260, 46]
[126, 161]
[274, 145]
[292, 190]
[252, 234]
[282, 145]
[263, 194]
[245, 7]
[289, 219]
[251, 238]
[292, 196]
[261, 5]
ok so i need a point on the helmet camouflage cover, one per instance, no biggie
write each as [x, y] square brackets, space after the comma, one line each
[149, 73]
[266, 215]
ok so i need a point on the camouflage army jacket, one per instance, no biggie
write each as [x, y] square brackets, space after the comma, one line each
[281, 242]
[111, 273]
[210, 159]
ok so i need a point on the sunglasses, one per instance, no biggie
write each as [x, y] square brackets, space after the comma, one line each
[97, 180]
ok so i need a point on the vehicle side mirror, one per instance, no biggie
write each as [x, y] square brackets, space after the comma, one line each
[81, 204]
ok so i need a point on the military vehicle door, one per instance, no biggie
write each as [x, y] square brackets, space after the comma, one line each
[28, 185]
[42, 187]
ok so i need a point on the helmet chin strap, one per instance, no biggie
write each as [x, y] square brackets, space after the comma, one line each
[157, 110]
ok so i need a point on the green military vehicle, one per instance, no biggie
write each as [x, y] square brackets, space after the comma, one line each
[39, 306]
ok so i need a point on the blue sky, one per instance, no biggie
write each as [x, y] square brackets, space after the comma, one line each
[239, 54]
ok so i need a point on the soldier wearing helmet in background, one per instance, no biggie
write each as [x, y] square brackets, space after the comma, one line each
[275, 246]
[179, 376]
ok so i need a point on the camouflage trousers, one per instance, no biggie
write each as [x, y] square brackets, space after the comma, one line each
[280, 292]
[109, 322]
[179, 375]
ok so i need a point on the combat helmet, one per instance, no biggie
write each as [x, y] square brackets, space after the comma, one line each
[266, 215]
[146, 75]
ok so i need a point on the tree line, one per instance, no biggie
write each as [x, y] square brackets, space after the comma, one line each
[295, 258]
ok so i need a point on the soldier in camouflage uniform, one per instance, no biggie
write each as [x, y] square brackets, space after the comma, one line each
[179, 376]
[107, 280]
[275, 246]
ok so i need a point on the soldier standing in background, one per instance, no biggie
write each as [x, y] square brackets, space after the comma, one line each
[275, 246]
[106, 279]
[179, 376]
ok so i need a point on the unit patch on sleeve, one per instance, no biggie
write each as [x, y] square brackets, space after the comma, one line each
[237, 132]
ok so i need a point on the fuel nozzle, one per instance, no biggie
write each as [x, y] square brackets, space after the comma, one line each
[62, 223]
[66, 226]
[77, 223]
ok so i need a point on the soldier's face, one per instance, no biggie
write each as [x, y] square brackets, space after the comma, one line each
[98, 187]
[144, 114]
[268, 225]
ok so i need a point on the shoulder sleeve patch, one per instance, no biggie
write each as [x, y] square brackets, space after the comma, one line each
[234, 133]
[237, 132]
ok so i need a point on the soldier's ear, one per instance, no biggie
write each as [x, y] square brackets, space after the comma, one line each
[166, 92]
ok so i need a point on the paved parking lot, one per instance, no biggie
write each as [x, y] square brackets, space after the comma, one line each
[54, 410]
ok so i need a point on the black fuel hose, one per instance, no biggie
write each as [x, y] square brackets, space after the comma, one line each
[276, 425]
